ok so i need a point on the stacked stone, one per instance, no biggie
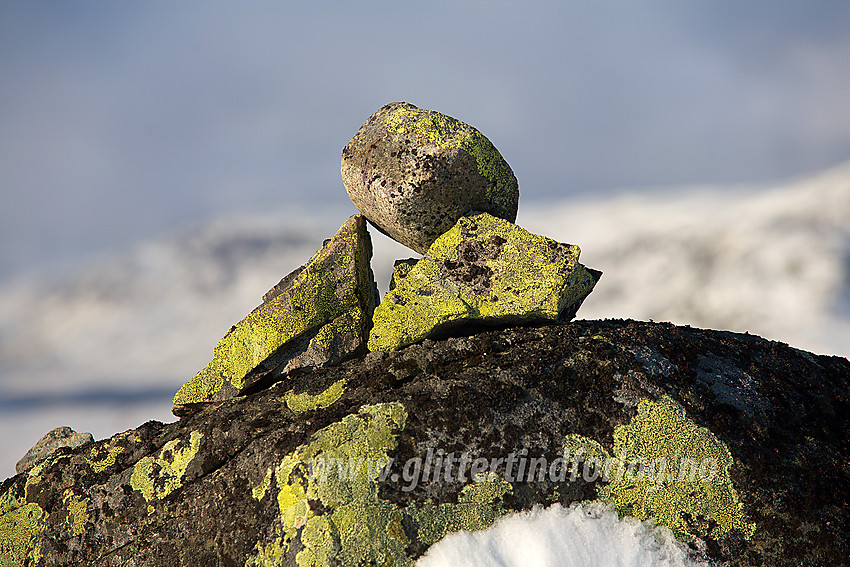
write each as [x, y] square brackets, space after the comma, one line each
[318, 315]
[440, 187]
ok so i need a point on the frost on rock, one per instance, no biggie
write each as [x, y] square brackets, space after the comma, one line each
[317, 315]
[484, 269]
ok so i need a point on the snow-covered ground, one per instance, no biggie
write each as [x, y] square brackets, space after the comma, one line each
[578, 536]
[103, 350]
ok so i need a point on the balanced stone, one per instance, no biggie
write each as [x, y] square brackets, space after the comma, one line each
[483, 269]
[320, 314]
[414, 172]
[54, 439]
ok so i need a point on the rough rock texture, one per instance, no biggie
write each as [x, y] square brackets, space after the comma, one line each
[232, 484]
[483, 270]
[319, 314]
[62, 436]
[400, 269]
[414, 172]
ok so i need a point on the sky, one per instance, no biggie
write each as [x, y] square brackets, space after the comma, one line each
[121, 120]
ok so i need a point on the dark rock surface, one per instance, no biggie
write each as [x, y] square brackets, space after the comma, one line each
[220, 487]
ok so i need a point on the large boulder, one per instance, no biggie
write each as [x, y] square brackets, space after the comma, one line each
[319, 314]
[483, 270]
[414, 172]
[294, 474]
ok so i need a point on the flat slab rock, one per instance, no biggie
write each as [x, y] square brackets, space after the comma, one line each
[414, 172]
[319, 314]
[483, 270]
[243, 483]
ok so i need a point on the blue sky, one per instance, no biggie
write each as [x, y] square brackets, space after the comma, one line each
[119, 120]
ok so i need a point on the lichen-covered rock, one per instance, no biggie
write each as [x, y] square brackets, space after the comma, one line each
[485, 269]
[414, 172]
[400, 269]
[62, 436]
[376, 459]
[662, 436]
[319, 314]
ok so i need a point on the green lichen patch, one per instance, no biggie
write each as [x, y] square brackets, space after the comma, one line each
[328, 498]
[577, 447]
[476, 509]
[299, 403]
[259, 492]
[102, 456]
[268, 554]
[77, 509]
[332, 296]
[684, 499]
[450, 133]
[347, 327]
[665, 467]
[400, 270]
[22, 523]
[357, 526]
[483, 269]
[158, 476]
[20, 530]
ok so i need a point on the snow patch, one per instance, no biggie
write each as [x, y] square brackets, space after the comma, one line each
[579, 536]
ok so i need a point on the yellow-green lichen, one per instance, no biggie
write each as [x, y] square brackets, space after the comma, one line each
[400, 270]
[158, 476]
[21, 523]
[581, 448]
[268, 554]
[20, 531]
[348, 325]
[102, 456]
[338, 473]
[299, 403]
[450, 133]
[259, 492]
[77, 512]
[324, 290]
[665, 467]
[531, 278]
[475, 510]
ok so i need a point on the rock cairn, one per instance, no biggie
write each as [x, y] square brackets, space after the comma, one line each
[305, 469]
[436, 185]
[440, 187]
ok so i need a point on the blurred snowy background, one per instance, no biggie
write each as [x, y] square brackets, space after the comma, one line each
[163, 164]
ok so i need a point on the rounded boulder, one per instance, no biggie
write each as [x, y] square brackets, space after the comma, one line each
[413, 173]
